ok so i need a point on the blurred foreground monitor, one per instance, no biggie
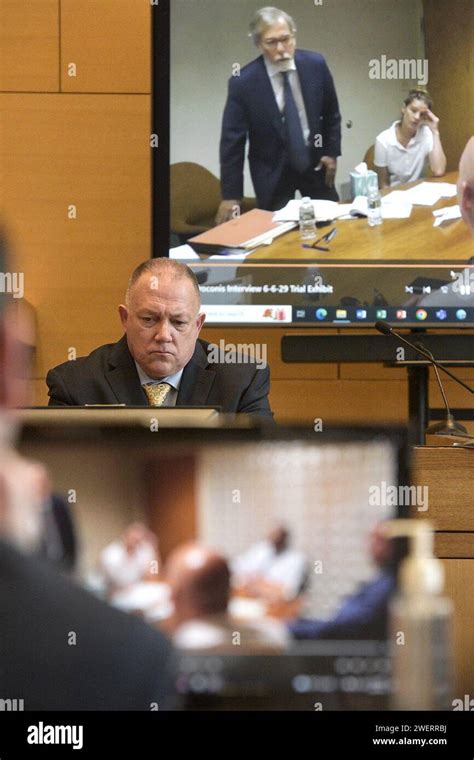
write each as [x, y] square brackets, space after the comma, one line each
[228, 488]
[316, 676]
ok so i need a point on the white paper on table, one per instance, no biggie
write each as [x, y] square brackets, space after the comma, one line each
[359, 205]
[323, 210]
[185, 252]
[424, 194]
[396, 210]
[142, 595]
[429, 193]
[247, 609]
[230, 256]
[344, 210]
[448, 189]
[396, 196]
[446, 214]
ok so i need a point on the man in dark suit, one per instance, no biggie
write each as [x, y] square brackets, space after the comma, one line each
[365, 614]
[60, 648]
[160, 354]
[285, 103]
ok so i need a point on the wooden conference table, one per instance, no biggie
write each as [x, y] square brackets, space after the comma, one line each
[395, 239]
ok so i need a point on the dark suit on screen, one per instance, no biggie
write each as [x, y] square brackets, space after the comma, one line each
[363, 615]
[109, 376]
[252, 111]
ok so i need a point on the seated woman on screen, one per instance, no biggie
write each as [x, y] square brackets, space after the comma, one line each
[402, 150]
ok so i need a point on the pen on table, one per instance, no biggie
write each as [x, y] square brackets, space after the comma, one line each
[329, 236]
[315, 247]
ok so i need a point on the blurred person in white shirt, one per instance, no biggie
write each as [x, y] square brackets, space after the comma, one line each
[271, 569]
[130, 559]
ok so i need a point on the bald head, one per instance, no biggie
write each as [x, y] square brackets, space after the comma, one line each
[160, 316]
[199, 579]
[280, 538]
[466, 183]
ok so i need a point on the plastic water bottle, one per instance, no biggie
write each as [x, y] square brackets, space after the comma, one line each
[374, 206]
[307, 220]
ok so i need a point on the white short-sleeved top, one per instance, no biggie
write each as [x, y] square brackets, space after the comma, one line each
[403, 164]
[262, 562]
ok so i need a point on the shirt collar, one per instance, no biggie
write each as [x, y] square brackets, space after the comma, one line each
[273, 69]
[393, 140]
[173, 380]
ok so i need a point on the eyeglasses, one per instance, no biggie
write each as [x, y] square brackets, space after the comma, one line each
[273, 43]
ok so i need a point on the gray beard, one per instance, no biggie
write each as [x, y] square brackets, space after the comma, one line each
[285, 65]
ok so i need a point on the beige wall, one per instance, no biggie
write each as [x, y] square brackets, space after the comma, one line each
[349, 33]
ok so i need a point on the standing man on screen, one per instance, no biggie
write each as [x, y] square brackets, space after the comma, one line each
[284, 102]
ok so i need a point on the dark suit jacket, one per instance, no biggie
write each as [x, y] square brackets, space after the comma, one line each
[363, 615]
[109, 376]
[117, 662]
[251, 110]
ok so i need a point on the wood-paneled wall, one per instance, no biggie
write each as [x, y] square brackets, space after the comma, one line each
[75, 156]
[449, 47]
[336, 393]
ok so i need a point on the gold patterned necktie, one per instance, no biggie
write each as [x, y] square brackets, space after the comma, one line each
[157, 393]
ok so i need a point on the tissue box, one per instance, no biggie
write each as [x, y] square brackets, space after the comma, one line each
[360, 183]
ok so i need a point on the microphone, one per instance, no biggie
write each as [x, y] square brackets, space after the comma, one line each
[450, 426]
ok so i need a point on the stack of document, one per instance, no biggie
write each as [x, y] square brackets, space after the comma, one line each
[247, 231]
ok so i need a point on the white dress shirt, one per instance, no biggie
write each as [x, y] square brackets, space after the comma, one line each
[274, 71]
[218, 632]
[173, 380]
[262, 562]
[403, 164]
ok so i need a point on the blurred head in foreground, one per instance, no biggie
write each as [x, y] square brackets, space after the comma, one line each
[199, 579]
[200, 582]
[466, 183]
